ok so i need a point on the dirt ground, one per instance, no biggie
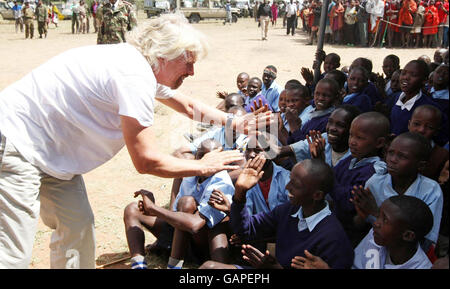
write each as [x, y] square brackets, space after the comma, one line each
[233, 49]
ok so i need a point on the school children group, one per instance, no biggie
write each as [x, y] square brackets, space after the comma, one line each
[355, 176]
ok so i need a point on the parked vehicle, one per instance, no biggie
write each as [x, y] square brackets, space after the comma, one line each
[156, 7]
[206, 9]
[244, 6]
[194, 10]
[6, 11]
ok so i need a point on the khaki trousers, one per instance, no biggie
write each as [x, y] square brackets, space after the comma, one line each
[26, 192]
[264, 21]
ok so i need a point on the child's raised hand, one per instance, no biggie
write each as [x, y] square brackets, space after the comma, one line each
[307, 75]
[219, 201]
[320, 54]
[259, 106]
[293, 120]
[259, 260]
[316, 144]
[222, 94]
[148, 202]
[251, 173]
[365, 203]
[235, 240]
[310, 262]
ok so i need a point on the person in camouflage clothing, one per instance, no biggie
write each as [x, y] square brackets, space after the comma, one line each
[41, 17]
[28, 16]
[115, 18]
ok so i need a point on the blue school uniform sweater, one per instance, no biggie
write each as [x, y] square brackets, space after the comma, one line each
[360, 100]
[327, 239]
[400, 118]
[249, 102]
[318, 123]
[372, 91]
[391, 99]
[349, 173]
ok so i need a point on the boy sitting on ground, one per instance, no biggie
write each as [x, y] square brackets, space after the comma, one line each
[190, 224]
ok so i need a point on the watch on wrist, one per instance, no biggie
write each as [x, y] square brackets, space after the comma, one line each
[229, 131]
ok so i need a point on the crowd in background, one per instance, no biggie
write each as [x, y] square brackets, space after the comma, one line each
[368, 23]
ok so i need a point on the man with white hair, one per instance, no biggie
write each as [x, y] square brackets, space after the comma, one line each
[75, 112]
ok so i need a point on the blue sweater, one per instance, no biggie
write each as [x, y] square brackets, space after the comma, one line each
[347, 176]
[359, 99]
[400, 119]
[316, 123]
[327, 240]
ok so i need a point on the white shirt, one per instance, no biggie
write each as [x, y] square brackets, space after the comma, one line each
[370, 255]
[311, 222]
[291, 9]
[64, 116]
[410, 103]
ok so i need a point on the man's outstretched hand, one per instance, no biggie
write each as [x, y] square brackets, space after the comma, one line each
[219, 160]
[251, 123]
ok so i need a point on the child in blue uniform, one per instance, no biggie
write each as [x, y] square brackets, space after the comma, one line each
[327, 91]
[439, 91]
[335, 139]
[412, 79]
[391, 63]
[393, 243]
[368, 135]
[426, 120]
[254, 94]
[357, 82]
[303, 223]
[371, 89]
[191, 220]
[405, 157]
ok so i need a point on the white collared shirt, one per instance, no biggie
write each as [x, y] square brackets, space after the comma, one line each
[311, 222]
[410, 103]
